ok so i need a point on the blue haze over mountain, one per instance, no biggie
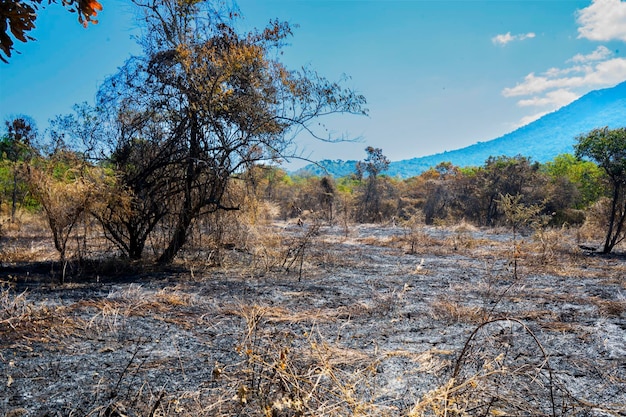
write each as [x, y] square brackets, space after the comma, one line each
[542, 140]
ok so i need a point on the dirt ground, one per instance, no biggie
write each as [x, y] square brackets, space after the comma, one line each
[380, 321]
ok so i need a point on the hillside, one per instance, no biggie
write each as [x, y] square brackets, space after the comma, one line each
[542, 140]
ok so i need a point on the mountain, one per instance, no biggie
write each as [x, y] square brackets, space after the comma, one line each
[542, 140]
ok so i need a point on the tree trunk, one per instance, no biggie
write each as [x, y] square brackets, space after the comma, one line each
[609, 241]
[14, 196]
[188, 210]
[616, 222]
[135, 246]
[178, 238]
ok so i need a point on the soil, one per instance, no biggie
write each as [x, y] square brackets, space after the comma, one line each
[379, 321]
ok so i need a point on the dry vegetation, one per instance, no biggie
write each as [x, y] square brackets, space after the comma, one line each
[403, 320]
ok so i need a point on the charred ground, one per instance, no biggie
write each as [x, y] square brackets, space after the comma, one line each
[379, 321]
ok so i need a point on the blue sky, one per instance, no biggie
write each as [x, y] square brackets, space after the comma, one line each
[438, 75]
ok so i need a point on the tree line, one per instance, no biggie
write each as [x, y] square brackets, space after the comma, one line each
[138, 192]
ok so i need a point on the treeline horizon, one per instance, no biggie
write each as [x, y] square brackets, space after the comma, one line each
[67, 188]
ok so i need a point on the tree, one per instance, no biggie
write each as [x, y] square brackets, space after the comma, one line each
[327, 196]
[439, 191]
[370, 199]
[62, 184]
[138, 200]
[16, 148]
[18, 17]
[215, 102]
[585, 175]
[506, 175]
[607, 147]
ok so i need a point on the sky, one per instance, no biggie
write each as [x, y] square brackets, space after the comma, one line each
[438, 75]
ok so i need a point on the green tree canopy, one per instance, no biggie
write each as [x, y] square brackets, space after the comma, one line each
[585, 175]
[607, 147]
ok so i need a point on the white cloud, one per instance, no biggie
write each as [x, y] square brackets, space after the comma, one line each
[603, 20]
[505, 38]
[558, 72]
[602, 74]
[601, 53]
[554, 99]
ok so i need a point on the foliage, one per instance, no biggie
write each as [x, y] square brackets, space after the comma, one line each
[370, 198]
[18, 17]
[202, 106]
[587, 177]
[505, 175]
[16, 148]
[65, 199]
[608, 148]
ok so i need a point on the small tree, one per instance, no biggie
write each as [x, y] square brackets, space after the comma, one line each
[608, 149]
[505, 175]
[65, 195]
[16, 147]
[370, 199]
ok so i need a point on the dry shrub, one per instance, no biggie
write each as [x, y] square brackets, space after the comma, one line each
[266, 249]
[27, 224]
[464, 227]
[461, 239]
[284, 373]
[374, 241]
[595, 225]
[549, 243]
[415, 240]
[14, 310]
[220, 234]
[414, 234]
[66, 202]
[23, 239]
[503, 370]
[19, 251]
[283, 249]
[23, 322]
[462, 235]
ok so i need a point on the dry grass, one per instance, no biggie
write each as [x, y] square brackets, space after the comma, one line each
[433, 361]
[24, 323]
[288, 358]
[290, 374]
[609, 308]
[454, 312]
[503, 370]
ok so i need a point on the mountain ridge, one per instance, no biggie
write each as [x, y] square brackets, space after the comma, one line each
[543, 139]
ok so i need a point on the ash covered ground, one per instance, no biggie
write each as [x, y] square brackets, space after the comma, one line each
[378, 321]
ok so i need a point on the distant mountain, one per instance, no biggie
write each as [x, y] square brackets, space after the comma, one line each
[542, 140]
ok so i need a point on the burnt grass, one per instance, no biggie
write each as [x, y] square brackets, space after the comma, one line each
[375, 321]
